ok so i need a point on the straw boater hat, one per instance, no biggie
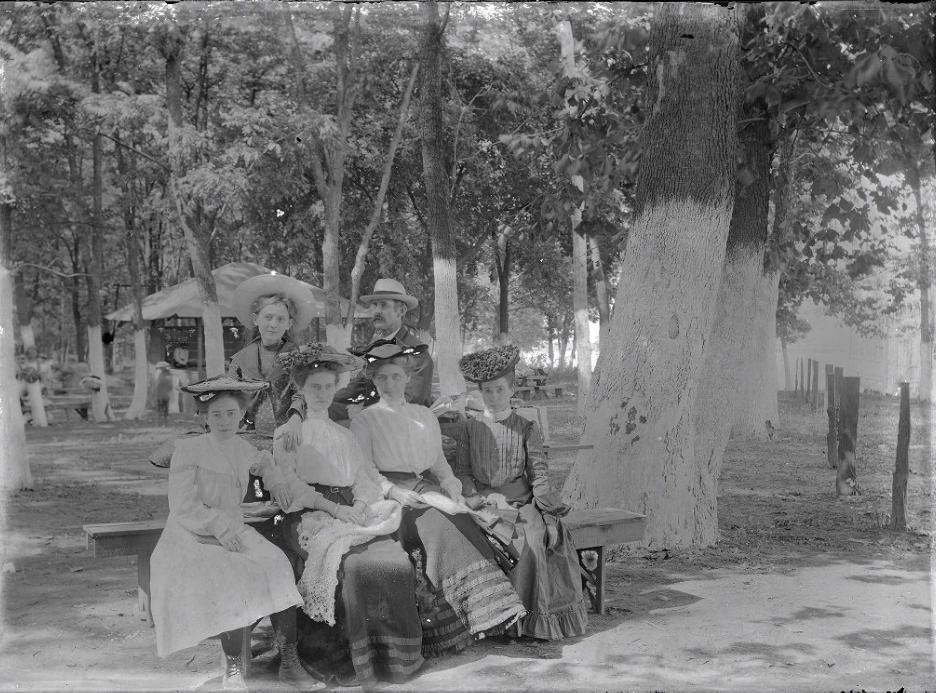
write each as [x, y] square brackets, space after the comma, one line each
[489, 364]
[315, 355]
[206, 390]
[390, 288]
[251, 289]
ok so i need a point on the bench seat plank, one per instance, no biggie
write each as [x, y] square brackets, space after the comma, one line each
[604, 527]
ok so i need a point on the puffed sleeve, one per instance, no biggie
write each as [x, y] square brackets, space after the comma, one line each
[285, 485]
[440, 467]
[185, 505]
[362, 435]
[537, 470]
[366, 487]
[463, 472]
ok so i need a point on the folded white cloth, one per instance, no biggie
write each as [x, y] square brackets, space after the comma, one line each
[327, 540]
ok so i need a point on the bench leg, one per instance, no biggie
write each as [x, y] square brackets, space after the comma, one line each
[143, 586]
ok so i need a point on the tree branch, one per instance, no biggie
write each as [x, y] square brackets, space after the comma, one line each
[163, 166]
[20, 265]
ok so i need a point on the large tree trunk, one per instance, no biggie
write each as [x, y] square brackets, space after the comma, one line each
[173, 42]
[15, 474]
[141, 377]
[924, 282]
[436, 181]
[502, 261]
[24, 314]
[100, 402]
[601, 288]
[729, 359]
[757, 396]
[640, 416]
[582, 328]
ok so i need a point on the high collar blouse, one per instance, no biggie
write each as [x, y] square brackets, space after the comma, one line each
[402, 437]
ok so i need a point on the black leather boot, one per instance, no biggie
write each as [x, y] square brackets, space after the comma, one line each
[291, 670]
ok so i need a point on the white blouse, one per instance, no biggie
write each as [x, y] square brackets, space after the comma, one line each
[328, 454]
[403, 437]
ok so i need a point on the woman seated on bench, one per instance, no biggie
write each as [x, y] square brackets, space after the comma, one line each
[211, 573]
[329, 498]
[462, 592]
[500, 456]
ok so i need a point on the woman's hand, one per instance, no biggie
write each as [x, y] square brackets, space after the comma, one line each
[231, 541]
[404, 496]
[291, 433]
[349, 514]
[474, 501]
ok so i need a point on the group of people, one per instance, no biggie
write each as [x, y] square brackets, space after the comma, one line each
[382, 546]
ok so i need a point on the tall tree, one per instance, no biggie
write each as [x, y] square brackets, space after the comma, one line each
[640, 413]
[171, 40]
[436, 182]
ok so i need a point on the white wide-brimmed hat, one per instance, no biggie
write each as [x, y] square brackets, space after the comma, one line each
[392, 289]
[301, 294]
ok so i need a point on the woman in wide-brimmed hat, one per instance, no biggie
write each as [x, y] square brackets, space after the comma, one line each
[500, 455]
[468, 595]
[211, 573]
[276, 305]
[336, 535]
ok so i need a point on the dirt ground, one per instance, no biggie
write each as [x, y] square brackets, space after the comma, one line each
[804, 591]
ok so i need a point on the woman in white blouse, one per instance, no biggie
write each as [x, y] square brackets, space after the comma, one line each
[376, 608]
[211, 573]
[468, 595]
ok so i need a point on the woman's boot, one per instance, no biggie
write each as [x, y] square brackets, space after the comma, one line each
[233, 679]
[291, 670]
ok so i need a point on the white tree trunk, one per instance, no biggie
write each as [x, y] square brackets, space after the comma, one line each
[580, 306]
[176, 393]
[36, 405]
[15, 474]
[757, 394]
[639, 417]
[448, 330]
[100, 402]
[338, 336]
[723, 370]
[141, 377]
[214, 338]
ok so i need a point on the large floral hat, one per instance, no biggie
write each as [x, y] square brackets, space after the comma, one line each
[316, 355]
[489, 364]
[208, 389]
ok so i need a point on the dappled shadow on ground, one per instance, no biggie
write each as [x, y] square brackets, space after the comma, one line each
[879, 638]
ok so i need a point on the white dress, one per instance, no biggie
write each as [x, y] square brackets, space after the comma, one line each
[199, 588]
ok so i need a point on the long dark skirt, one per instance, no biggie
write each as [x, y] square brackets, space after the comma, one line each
[468, 595]
[375, 615]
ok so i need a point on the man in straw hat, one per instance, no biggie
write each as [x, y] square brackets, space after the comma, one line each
[389, 303]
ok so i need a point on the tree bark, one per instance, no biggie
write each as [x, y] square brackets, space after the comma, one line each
[141, 377]
[100, 402]
[15, 474]
[729, 359]
[173, 43]
[502, 262]
[639, 414]
[601, 289]
[902, 464]
[582, 328]
[436, 181]
[924, 283]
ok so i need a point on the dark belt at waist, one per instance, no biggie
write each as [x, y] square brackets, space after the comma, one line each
[402, 476]
[323, 489]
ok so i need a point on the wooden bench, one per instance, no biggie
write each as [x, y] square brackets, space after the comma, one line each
[596, 530]
[80, 405]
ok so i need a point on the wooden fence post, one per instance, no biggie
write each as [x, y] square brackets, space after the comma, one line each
[832, 411]
[815, 386]
[808, 380]
[902, 466]
[848, 407]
